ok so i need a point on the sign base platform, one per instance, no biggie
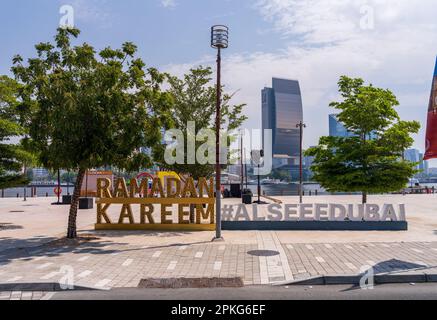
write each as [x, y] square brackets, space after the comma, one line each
[315, 225]
[155, 227]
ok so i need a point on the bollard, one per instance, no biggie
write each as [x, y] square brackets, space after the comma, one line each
[18, 195]
[311, 193]
[317, 193]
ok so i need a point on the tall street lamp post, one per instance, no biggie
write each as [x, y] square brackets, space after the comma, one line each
[301, 126]
[241, 162]
[25, 187]
[257, 158]
[219, 41]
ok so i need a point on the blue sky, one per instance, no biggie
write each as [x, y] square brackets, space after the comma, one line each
[392, 44]
[176, 33]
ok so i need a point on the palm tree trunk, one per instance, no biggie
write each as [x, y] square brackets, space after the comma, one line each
[72, 229]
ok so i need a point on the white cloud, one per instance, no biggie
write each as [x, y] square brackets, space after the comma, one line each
[324, 40]
[92, 11]
[168, 3]
[398, 53]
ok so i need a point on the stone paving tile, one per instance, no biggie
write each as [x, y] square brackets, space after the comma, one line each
[101, 269]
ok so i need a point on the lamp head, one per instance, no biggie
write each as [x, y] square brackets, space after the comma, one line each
[219, 37]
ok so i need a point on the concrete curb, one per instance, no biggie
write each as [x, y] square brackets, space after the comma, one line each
[386, 278]
[327, 280]
[44, 287]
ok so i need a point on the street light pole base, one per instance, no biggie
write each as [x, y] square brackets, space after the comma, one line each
[260, 202]
[218, 239]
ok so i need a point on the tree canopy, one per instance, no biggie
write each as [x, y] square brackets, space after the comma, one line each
[13, 154]
[370, 161]
[88, 110]
[195, 101]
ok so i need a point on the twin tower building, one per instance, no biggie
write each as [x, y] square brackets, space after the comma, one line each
[282, 111]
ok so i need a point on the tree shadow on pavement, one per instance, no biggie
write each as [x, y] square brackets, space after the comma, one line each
[9, 226]
[159, 234]
[40, 246]
[389, 267]
[149, 234]
[395, 265]
[9, 244]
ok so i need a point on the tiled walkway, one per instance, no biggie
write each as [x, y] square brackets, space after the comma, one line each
[107, 265]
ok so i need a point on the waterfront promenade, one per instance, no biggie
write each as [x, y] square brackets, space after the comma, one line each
[32, 262]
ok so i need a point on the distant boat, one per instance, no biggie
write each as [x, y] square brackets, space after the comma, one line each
[270, 181]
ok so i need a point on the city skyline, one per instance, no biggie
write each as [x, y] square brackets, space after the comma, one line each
[415, 155]
[336, 128]
[282, 111]
[267, 39]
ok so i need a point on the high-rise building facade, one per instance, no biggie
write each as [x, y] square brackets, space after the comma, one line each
[282, 110]
[414, 155]
[424, 165]
[40, 172]
[307, 164]
[336, 128]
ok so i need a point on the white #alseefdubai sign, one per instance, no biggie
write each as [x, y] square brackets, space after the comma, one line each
[315, 212]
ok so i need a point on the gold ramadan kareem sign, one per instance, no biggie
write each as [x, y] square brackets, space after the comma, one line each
[171, 205]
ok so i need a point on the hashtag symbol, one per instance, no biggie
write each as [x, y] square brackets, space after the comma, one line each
[227, 212]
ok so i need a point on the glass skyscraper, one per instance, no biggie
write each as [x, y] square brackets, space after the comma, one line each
[281, 111]
[414, 155]
[336, 128]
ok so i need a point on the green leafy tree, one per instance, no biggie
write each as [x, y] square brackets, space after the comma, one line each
[29, 175]
[68, 177]
[195, 101]
[13, 154]
[89, 110]
[360, 163]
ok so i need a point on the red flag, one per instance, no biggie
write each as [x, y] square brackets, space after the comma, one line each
[431, 132]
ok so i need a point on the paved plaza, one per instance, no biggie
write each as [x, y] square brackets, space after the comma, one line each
[32, 266]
